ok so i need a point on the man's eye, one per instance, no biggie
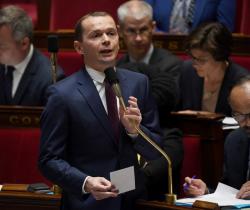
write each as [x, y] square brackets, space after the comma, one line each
[112, 33]
[96, 35]
[130, 30]
[143, 30]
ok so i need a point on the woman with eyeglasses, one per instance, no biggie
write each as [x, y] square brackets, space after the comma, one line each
[208, 75]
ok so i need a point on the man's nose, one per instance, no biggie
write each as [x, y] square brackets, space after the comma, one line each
[138, 37]
[105, 39]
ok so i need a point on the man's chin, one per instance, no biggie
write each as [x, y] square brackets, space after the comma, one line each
[109, 62]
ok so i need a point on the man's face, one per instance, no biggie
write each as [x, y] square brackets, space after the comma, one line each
[100, 42]
[11, 51]
[137, 35]
[240, 103]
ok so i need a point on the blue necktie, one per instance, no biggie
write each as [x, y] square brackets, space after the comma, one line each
[112, 110]
[7, 84]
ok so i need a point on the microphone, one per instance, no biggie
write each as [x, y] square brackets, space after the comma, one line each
[110, 73]
[53, 49]
[114, 82]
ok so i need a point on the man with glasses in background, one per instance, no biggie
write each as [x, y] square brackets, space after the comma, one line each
[237, 145]
[162, 68]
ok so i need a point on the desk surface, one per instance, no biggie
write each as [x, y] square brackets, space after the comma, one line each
[11, 200]
[156, 205]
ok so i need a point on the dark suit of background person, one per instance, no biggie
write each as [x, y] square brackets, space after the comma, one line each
[236, 157]
[163, 71]
[223, 11]
[31, 90]
[191, 86]
[81, 133]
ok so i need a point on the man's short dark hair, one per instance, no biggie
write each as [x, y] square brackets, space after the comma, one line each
[79, 28]
[214, 38]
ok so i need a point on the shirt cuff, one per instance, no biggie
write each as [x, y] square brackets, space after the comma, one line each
[83, 186]
[132, 135]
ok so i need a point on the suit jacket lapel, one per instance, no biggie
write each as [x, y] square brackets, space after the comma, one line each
[155, 56]
[89, 92]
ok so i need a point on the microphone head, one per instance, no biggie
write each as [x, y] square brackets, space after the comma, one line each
[111, 75]
[53, 43]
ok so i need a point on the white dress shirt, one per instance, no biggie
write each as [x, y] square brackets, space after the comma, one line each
[19, 70]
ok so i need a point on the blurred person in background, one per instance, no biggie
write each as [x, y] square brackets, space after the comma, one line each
[183, 16]
[236, 149]
[25, 73]
[162, 68]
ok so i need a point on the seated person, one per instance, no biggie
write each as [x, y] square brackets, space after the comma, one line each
[163, 69]
[25, 73]
[181, 17]
[207, 78]
[236, 148]
[161, 66]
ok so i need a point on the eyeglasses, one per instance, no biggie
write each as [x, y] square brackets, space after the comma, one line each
[134, 32]
[198, 61]
[240, 117]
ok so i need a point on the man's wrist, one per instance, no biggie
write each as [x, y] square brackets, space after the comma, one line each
[84, 184]
[132, 135]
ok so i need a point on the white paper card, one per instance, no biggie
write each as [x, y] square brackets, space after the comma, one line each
[123, 179]
[224, 196]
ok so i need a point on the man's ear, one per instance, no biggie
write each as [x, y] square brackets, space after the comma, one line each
[78, 47]
[25, 43]
[153, 25]
[119, 29]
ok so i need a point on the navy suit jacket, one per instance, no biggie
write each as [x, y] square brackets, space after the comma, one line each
[77, 141]
[222, 11]
[31, 90]
[191, 87]
[236, 154]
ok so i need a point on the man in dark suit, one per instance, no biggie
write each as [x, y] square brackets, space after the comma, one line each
[28, 82]
[237, 146]
[163, 69]
[161, 66]
[79, 147]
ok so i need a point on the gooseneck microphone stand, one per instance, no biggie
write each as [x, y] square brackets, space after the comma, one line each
[53, 49]
[110, 73]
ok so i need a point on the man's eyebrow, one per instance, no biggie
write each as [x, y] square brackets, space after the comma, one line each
[99, 30]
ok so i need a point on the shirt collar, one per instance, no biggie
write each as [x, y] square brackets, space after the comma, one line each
[96, 75]
[22, 66]
[146, 58]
